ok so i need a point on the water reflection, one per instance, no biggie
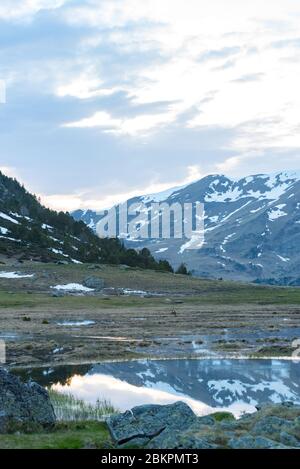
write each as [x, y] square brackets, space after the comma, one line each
[206, 385]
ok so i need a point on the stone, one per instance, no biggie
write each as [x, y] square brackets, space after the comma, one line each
[271, 425]
[95, 267]
[251, 442]
[58, 293]
[289, 440]
[113, 291]
[93, 282]
[178, 439]
[23, 406]
[148, 421]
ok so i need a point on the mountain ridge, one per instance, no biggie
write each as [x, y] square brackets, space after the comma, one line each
[252, 228]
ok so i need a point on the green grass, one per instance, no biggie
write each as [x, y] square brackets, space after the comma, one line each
[221, 416]
[79, 425]
[32, 293]
[239, 294]
[67, 408]
[65, 435]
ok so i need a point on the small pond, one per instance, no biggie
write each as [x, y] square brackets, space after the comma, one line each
[206, 385]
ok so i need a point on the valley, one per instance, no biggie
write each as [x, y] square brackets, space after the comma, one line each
[138, 314]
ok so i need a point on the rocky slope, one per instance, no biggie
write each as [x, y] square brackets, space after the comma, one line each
[252, 228]
[177, 427]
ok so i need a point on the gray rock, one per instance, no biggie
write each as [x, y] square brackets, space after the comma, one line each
[178, 439]
[149, 421]
[95, 267]
[251, 442]
[58, 293]
[23, 406]
[113, 291]
[289, 440]
[206, 420]
[271, 425]
[94, 282]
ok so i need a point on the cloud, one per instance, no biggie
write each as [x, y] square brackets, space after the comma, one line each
[136, 126]
[112, 97]
[250, 77]
[25, 9]
[225, 52]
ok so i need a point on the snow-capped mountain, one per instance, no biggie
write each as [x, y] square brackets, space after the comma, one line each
[252, 228]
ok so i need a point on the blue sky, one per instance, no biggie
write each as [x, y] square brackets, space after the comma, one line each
[106, 99]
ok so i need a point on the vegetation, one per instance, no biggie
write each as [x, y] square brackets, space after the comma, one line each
[221, 416]
[45, 235]
[182, 270]
[65, 435]
[69, 409]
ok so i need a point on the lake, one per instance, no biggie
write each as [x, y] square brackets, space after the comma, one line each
[208, 385]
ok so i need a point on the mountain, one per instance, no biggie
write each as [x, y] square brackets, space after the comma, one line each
[252, 228]
[29, 231]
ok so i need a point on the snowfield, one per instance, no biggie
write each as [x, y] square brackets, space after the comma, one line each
[14, 275]
[73, 287]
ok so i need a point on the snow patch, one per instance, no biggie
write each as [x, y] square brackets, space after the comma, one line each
[73, 287]
[14, 275]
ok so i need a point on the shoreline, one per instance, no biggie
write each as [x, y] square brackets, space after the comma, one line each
[125, 360]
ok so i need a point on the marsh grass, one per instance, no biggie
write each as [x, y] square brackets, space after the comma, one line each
[69, 409]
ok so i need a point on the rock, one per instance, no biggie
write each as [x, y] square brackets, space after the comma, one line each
[251, 442]
[177, 439]
[148, 421]
[58, 293]
[95, 283]
[95, 267]
[23, 406]
[113, 291]
[206, 420]
[289, 440]
[175, 426]
[271, 425]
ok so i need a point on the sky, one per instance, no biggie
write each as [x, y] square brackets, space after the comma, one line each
[107, 99]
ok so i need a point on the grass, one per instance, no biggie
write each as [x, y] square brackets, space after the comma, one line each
[235, 295]
[65, 435]
[15, 293]
[79, 425]
[69, 409]
[221, 416]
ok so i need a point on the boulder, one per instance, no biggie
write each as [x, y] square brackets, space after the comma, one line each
[148, 421]
[23, 406]
[289, 440]
[175, 438]
[95, 267]
[271, 425]
[113, 291]
[93, 282]
[58, 293]
[254, 442]
[275, 426]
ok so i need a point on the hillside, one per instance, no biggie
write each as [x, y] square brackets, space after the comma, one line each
[29, 231]
[252, 228]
